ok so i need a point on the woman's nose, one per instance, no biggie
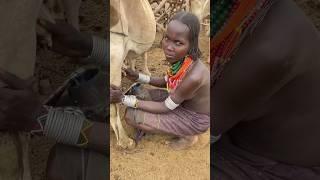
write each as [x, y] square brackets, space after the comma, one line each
[170, 47]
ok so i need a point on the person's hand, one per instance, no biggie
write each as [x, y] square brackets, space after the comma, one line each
[130, 74]
[116, 94]
[18, 103]
[67, 40]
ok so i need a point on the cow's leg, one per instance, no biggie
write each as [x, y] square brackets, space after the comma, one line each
[123, 140]
[113, 117]
[145, 60]
[17, 56]
[132, 63]
[9, 163]
[71, 8]
[24, 139]
[116, 60]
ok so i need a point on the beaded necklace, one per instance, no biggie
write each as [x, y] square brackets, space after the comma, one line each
[177, 71]
[176, 66]
[232, 21]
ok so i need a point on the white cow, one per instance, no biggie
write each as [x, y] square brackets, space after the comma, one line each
[17, 55]
[200, 8]
[133, 35]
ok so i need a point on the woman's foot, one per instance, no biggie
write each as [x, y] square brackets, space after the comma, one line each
[183, 142]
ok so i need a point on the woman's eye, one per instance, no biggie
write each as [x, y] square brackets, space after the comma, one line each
[178, 43]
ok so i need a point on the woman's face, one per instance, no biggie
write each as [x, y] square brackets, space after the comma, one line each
[175, 42]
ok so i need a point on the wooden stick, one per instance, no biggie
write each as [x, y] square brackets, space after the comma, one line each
[160, 6]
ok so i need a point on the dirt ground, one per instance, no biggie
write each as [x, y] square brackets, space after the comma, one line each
[152, 159]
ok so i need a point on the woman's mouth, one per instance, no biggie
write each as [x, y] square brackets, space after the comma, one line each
[168, 55]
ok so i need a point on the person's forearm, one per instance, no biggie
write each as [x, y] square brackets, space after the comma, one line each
[158, 81]
[152, 106]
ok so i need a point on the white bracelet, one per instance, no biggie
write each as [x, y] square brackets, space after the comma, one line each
[170, 104]
[143, 78]
[130, 101]
[166, 78]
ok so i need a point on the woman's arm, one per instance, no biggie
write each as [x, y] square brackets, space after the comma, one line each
[154, 81]
[185, 91]
[158, 82]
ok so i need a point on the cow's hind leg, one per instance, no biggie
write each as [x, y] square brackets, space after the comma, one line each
[123, 140]
[145, 61]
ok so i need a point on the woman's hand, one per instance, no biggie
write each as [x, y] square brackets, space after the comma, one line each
[19, 104]
[116, 94]
[130, 74]
[67, 40]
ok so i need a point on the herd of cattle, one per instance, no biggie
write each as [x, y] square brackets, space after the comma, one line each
[130, 36]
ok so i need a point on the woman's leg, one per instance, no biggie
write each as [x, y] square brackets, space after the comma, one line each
[180, 123]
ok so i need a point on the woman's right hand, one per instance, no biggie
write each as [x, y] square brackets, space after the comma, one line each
[131, 74]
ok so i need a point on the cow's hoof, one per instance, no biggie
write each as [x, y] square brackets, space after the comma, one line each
[129, 144]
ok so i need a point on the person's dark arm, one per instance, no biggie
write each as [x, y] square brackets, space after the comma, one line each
[19, 104]
[73, 43]
[158, 82]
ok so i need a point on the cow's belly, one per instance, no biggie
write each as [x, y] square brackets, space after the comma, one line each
[18, 37]
[17, 55]
[117, 55]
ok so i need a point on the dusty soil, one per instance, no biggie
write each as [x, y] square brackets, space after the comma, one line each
[312, 10]
[152, 158]
[57, 68]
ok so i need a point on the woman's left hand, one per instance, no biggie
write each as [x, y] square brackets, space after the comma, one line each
[18, 103]
[116, 94]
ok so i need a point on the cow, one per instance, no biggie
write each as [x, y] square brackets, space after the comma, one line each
[200, 8]
[132, 35]
[17, 55]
